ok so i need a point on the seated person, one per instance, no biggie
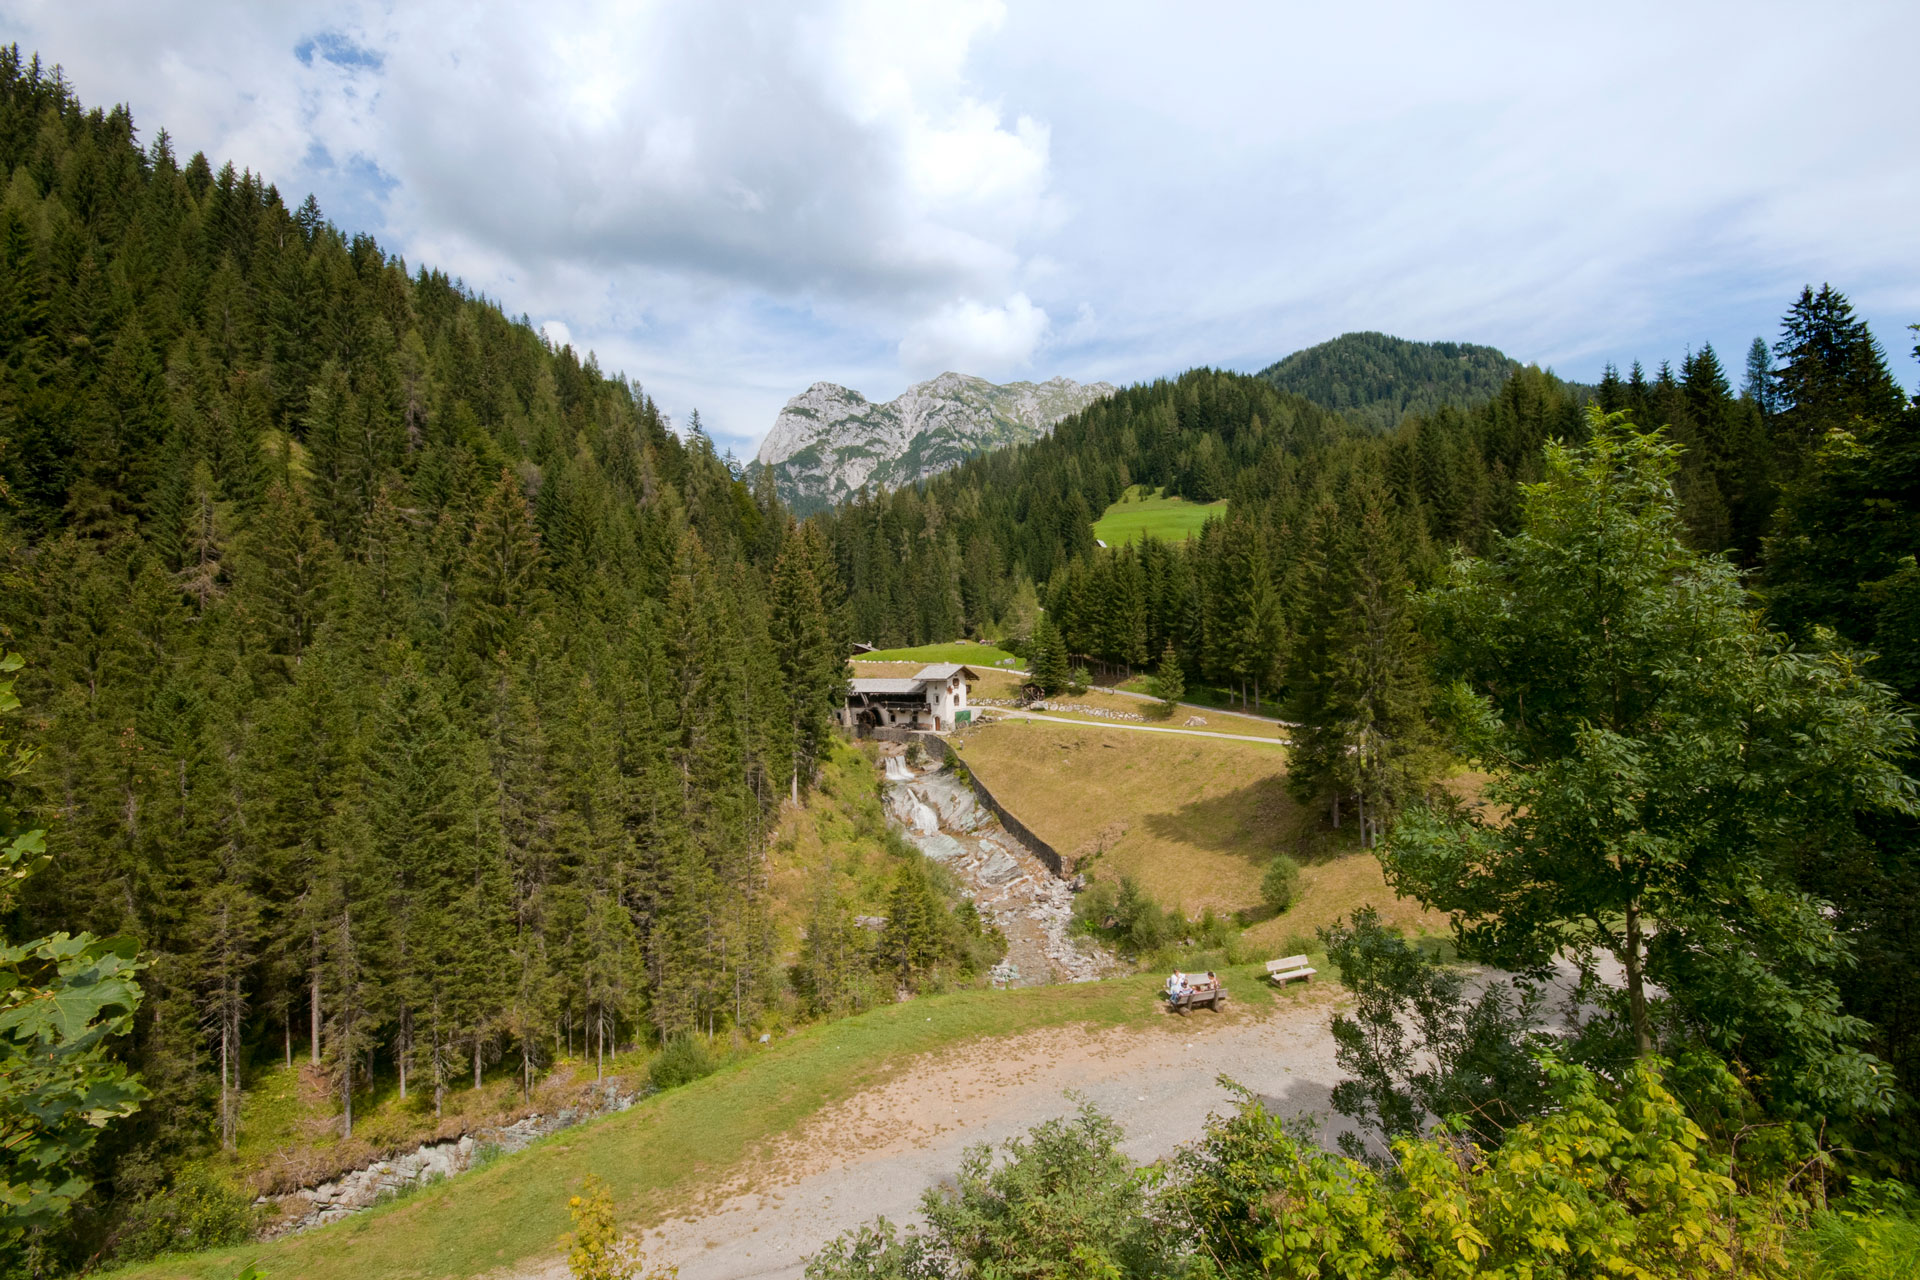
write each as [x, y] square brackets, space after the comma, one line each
[1176, 986]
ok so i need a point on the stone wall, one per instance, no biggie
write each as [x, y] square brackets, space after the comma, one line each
[940, 749]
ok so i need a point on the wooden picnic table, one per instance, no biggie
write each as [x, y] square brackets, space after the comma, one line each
[1196, 989]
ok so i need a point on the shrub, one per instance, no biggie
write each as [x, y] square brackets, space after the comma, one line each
[1612, 1181]
[1064, 1202]
[597, 1249]
[201, 1210]
[1124, 916]
[1281, 885]
[1079, 681]
[1418, 1046]
[681, 1060]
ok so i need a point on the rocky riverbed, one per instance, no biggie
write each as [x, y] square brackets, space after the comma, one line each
[1031, 906]
[360, 1190]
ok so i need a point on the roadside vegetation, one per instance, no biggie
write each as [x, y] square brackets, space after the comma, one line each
[669, 1150]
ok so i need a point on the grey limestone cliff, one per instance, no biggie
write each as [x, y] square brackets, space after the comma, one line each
[829, 441]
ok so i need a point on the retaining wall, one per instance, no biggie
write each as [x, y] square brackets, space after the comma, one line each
[942, 750]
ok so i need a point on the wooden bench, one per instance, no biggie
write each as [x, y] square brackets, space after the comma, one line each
[1281, 972]
[1210, 997]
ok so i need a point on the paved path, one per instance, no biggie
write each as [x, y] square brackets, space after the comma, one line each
[998, 713]
[878, 1151]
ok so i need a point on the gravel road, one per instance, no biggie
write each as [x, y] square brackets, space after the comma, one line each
[878, 1151]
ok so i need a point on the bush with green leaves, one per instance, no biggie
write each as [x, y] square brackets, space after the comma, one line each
[1612, 1180]
[1063, 1201]
[1419, 1047]
[1123, 914]
[201, 1210]
[681, 1060]
[63, 1000]
[1280, 886]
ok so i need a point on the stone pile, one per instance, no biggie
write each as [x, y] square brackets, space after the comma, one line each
[1081, 708]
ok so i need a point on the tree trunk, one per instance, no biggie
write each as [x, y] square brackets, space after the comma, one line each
[313, 1013]
[476, 1059]
[1636, 985]
[1336, 811]
[226, 1103]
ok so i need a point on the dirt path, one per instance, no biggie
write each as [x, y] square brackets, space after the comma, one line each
[878, 1151]
[994, 713]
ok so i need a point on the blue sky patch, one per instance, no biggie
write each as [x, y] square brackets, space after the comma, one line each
[340, 50]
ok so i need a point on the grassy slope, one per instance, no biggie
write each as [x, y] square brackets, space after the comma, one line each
[837, 830]
[963, 651]
[1195, 820]
[671, 1148]
[1136, 515]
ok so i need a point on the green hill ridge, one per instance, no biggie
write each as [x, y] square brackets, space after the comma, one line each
[1377, 379]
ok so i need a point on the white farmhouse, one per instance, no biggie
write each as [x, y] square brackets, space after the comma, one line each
[935, 698]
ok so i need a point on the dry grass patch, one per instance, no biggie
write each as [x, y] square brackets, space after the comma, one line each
[1195, 820]
[1338, 886]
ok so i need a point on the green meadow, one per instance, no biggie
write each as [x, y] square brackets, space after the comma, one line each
[1142, 512]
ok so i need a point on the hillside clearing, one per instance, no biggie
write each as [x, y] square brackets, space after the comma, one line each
[961, 651]
[1195, 820]
[1140, 514]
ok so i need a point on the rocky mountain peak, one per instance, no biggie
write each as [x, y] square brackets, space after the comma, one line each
[830, 440]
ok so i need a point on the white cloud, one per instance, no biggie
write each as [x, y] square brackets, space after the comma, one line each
[972, 337]
[729, 200]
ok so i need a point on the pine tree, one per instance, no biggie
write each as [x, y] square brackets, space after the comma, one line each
[1360, 694]
[502, 575]
[1049, 663]
[1831, 370]
[1169, 682]
[811, 665]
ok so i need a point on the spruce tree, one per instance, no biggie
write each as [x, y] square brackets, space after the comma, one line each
[1169, 682]
[1049, 663]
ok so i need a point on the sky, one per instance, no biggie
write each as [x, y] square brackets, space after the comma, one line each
[729, 202]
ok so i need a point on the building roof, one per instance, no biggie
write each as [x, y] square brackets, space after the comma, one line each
[946, 671]
[886, 684]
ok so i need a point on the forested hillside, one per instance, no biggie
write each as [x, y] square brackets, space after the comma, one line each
[414, 697]
[1807, 481]
[1376, 379]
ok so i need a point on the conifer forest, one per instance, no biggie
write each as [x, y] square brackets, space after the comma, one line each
[401, 694]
